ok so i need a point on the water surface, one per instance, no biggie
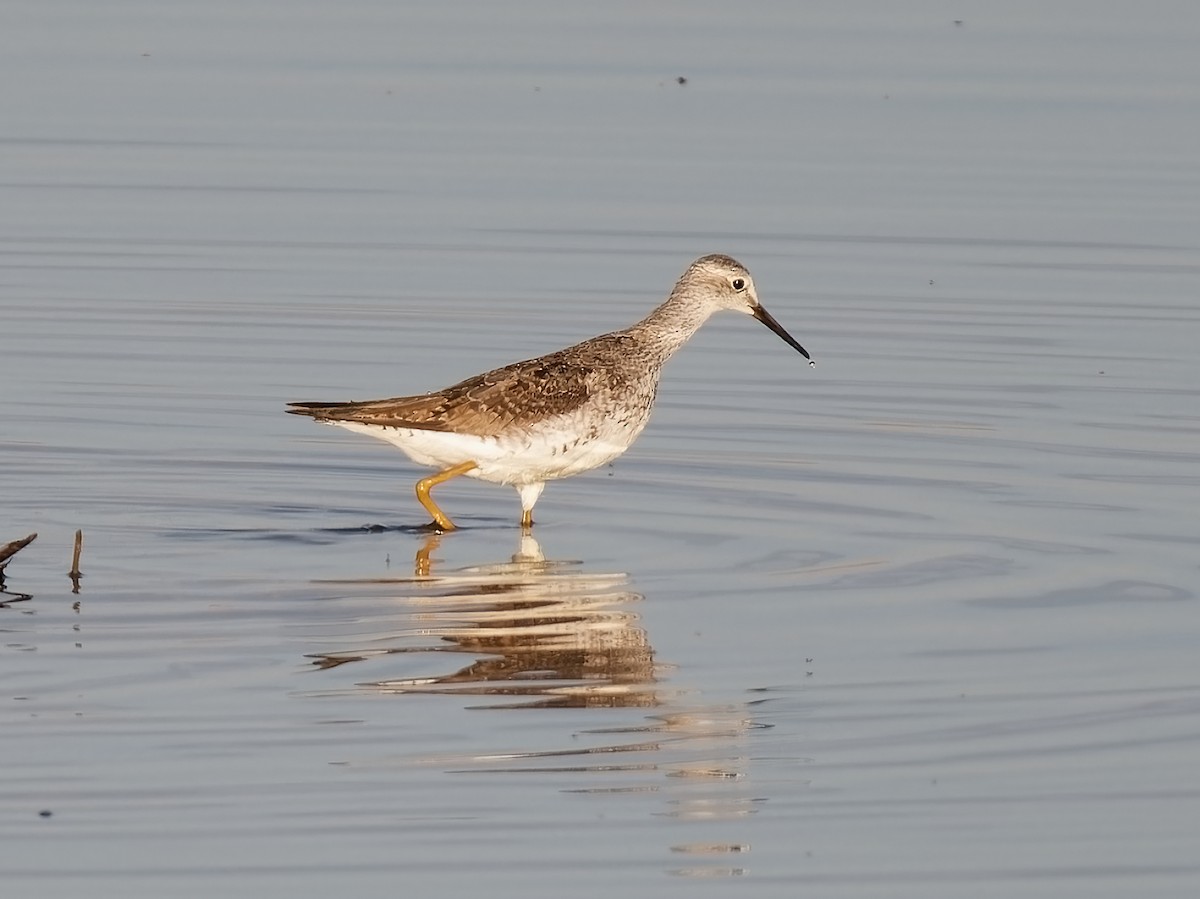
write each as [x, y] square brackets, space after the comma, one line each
[920, 620]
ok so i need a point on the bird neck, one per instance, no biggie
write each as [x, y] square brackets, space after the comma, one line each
[671, 325]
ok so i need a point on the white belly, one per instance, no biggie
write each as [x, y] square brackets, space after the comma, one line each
[555, 449]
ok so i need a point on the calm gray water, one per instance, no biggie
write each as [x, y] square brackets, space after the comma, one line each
[921, 621]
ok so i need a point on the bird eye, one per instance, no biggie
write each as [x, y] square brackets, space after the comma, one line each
[738, 284]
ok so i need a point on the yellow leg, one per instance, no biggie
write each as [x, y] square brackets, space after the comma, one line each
[424, 486]
[529, 494]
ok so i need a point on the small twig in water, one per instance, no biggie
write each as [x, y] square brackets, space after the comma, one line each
[8, 550]
[74, 574]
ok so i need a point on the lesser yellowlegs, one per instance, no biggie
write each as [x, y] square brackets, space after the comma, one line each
[557, 415]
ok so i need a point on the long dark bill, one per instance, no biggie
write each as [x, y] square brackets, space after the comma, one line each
[765, 317]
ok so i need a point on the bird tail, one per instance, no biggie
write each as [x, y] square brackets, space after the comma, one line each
[319, 411]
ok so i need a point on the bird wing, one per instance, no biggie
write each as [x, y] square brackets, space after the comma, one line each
[484, 405]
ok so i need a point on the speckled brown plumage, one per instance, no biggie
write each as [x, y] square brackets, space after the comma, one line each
[488, 404]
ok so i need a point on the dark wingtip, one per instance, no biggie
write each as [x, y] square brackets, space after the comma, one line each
[312, 410]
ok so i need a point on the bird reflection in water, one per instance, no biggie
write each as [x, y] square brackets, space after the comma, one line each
[544, 633]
